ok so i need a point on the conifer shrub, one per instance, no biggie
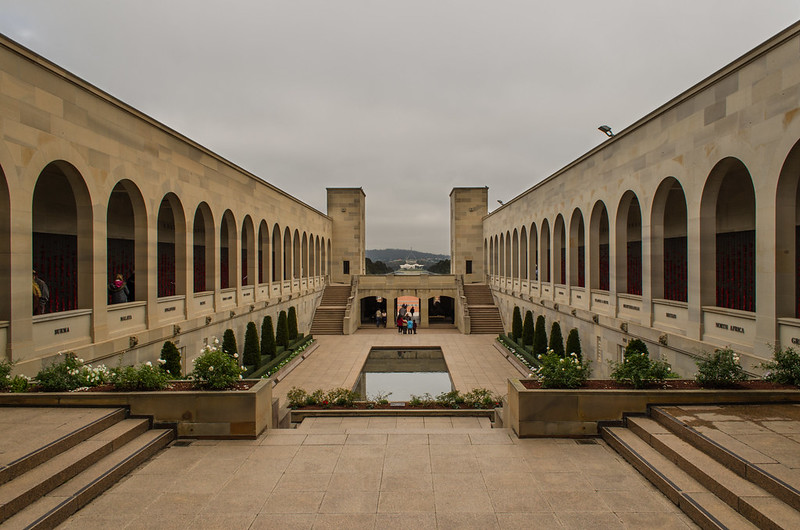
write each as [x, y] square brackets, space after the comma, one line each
[516, 324]
[251, 355]
[556, 340]
[574, 344]
[172, 359]
[229, 343]
[268, 349]
[282, 333]
[638, 369]
[539, 337]
[527, 329]
[292, 324]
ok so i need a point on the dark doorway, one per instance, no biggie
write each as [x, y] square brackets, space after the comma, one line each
[441, 311]
[370, 305]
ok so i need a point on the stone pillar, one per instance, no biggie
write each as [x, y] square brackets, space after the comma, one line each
[468, 206]
[346, 207]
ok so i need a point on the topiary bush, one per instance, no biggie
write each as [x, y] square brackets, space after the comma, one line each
[172, 359]
[556, 340]
[251, 355]
[292, 324]
[721, 369]
[516, 324]
[539, 337]
[282, 333]
[574, 343]
[229, 343]
[527, 329]
[268, 349]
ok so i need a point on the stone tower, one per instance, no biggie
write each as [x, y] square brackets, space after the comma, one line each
[468, 206]
[346, 207]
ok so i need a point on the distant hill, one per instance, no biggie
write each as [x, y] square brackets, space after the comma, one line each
[397, 254]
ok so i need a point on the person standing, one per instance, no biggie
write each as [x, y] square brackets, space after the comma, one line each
[383, 318]
[378, 318]
[118, 290]
[410, 325]
[41, 295]
[399, 323]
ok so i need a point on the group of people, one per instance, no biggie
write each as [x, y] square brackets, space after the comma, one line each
[406, 323]
[380, 318]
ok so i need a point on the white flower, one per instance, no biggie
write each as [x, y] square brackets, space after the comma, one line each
[210, 368]
[148, 363]
[235, 355]
[162, 361]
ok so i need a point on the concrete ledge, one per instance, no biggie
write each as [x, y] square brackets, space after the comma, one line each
[197, 414]
[575, 413]
[296, 416]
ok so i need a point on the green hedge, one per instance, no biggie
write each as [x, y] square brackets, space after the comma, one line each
[280, 357]
[520, 350]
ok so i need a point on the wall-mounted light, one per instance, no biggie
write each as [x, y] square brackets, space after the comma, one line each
[501, 202]
[606, 129]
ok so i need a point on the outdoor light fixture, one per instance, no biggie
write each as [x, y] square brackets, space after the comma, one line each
[501, 202]
[606, 129]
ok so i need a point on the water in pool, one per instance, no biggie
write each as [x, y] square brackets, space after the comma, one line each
[403, 372]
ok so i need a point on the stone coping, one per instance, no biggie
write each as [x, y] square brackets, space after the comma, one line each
[576, 413]
[296, 416]
[231, 414]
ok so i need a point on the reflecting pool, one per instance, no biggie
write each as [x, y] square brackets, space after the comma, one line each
[403, 372]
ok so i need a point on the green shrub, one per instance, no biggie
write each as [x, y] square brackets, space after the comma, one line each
[296, 397]
[315, 398]
[527, 329]
[172, 359]
[539, 337]
[19, 383]
[341, 397]
[452, 399]
[574, 343]
[784, 367]
[291, 323]
[267, 339]
[516, 324]
[214, 369]
[556, 340]
[229, 343]
[5, 374]
[69, 374]
[638, 369]
[721, 369]
[251, 355]
[562, 372]
[481, 398]
[282, 333]
[145, 377]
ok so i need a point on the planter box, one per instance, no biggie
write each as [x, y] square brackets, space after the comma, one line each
[575, 413]
[296, 416]
[242, 414]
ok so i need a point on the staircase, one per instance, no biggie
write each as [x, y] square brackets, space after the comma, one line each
[330, 312]
[484, 316]
[714, 486]
[67, 464]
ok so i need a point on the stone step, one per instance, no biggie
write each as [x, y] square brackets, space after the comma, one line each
[44, 478]
[55, 507]
[702, 506]
[752, 501]
[49, 450]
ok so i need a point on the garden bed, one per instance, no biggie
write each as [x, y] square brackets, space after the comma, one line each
[669, 384]
[532, 412]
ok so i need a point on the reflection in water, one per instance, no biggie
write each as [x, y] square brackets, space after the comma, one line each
[403, 372]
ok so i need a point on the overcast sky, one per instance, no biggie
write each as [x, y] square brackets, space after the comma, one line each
[405, 98]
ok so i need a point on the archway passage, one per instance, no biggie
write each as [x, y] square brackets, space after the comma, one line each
[166, 249]
[410, 305]
[441, 311]
[121, 241]
[370, 305]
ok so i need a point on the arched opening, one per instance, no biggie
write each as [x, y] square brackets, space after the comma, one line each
[248, 252]
[287, 254]
[534, 261]
[277, 258]
[126, 231]
[441, 311]
[486, 257]
[323, 257]
[728, 238]
[629, 244]
[328, 262]
[373, 309]
[577, 250]
[490, 257]
[203, 248]
[598, 239]
[544, 265]
[669, 244]
[507, 256]
[5, 249]
[408, 305]
[171, 247]
[515, 255]
[312, 257]
[227, 251]
[62, 239]
[264, 272]
[304, 257]
[523, 253]
[317, 260]
[496, 257]
[296, 270]
[501, 256]
[787, 237]
[560, 254]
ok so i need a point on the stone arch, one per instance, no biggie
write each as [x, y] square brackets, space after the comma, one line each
[599, 237]
[441, 311]
[523, 253]
[126, 239]
[507, 256]
[328, 262]
[248, 252]
[304, 256]
[317, 261]
[62, 237]
[560, 250]
[628, 250]
[296, 253]
[501, 254]
[534, 259]
[669, 249]
[277, 254]
[544, 265]
[227, 251]
[264, 274]
[171, 247]
[486, 251]
[5, 249]
[577, 249]
[287, 254]
[787, 237]
[515, 254]
[203, 248]
[496, 257]
[728, 237]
